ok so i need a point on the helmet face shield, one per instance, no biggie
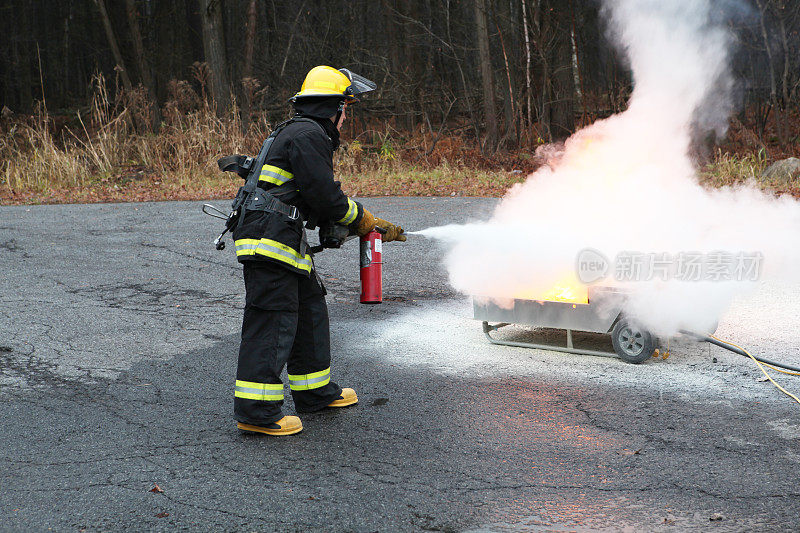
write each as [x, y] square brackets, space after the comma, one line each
[358, 84]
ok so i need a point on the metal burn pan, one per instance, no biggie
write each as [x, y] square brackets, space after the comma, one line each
[602, 314]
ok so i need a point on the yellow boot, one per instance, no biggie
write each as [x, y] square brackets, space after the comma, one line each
[348, 397]
[288, 425]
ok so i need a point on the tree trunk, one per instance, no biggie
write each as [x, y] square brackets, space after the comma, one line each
[141, 60]
[291, 38]
[410, 63]
[214, 51]
[66, 56]
[194, 32]
[528, 88]
[509, 106]
[250, 40]
[458, 62]
[785, 92]
[562, 107]
[392, 33]
[489, 107]
[112, 41]
[577, 80]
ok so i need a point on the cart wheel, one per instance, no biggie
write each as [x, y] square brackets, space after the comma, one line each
[632, 343]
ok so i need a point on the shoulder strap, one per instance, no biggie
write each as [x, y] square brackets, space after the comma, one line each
[255, 170]
[251, 182]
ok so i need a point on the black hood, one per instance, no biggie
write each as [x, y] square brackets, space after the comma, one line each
[314, 107]
[321, 110]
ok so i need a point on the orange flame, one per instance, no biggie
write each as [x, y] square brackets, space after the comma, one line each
[567, 289]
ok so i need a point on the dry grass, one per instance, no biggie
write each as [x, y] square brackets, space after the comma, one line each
[731, 169]
[746, 169]
[442, 180]
[107, 154]
[31, 160]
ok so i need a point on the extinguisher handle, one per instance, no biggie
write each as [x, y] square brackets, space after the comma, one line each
[380, 230]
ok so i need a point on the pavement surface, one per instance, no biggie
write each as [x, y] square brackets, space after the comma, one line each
[118, 340]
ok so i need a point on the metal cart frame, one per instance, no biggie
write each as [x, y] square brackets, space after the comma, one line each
[602, 314]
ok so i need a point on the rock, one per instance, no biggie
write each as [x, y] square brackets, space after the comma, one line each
[782, 173]
[716, 517]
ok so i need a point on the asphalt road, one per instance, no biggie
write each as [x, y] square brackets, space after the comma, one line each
[118, 341]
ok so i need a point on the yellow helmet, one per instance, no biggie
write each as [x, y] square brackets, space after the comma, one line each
[327, 81]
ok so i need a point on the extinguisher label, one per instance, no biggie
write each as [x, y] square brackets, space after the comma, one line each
[366, 254]
[378, 246]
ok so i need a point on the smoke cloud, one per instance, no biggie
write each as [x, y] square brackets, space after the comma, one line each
[625, 187]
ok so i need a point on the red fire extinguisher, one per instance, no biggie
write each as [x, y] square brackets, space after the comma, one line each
[371, 268]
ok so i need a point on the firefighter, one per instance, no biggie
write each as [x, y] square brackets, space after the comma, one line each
[285, 317]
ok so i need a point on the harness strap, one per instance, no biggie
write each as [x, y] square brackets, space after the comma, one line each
[251, 183]
[279, 190]
[304, 247]
[262, 200]
[251, 196]
[240, 164]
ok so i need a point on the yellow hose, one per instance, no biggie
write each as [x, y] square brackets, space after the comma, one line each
[761, 367]
[781, 370]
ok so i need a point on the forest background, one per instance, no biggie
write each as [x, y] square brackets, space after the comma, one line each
[113, 100]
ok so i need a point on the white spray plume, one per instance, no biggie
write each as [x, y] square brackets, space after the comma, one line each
[628, 184]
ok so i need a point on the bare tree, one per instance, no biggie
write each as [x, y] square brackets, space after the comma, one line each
[487, 82]
[141, 61]
[563, 81]
[112, 42]
[214, 50]
[545, 60]
[528, 89]
[291, 37]
[783, 76]
[250, 40]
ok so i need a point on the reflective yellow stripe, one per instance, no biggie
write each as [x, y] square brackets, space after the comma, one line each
[321, 373]
[254, 385]
[274, 250]
[256, 396]
[314, 380]
[250, 390]
[352, 212]
[274, 175]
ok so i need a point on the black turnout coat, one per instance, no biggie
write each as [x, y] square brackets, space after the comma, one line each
[299, 171]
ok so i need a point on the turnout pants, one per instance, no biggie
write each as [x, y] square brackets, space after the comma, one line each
[285, 323]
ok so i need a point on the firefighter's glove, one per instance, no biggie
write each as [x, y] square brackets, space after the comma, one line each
[368, 222]
[393, 232]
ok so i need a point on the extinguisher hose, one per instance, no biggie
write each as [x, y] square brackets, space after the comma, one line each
[736, 349]
[760, 361]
